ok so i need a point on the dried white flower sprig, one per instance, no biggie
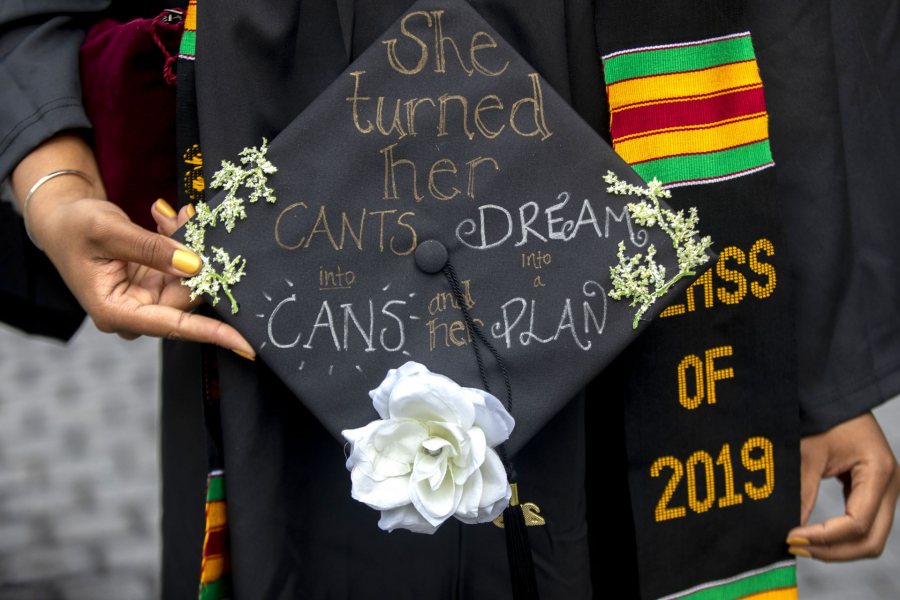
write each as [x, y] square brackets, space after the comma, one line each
[640, 277]
[251, 175]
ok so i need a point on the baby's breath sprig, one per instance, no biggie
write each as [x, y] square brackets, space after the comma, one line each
[639, 277]
[252, 176]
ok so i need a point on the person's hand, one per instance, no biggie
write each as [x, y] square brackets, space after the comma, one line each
[125, 277]
[857, 453]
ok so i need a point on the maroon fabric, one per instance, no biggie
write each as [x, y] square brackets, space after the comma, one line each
[129, 94]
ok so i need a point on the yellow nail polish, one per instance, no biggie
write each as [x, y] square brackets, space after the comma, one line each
[799, 552]
[165, 208]
[797, 541]
[186, 262]
[243, 354]
[191, 211]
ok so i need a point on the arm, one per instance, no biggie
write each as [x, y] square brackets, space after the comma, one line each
[126, 278]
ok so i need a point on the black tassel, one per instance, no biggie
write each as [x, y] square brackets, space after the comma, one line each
[518, 551]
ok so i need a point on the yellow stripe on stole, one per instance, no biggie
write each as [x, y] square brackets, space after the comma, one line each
[683, 85]
[216, 515]
[781, 594]
[694, 141]
[213, 568]
[190, 19]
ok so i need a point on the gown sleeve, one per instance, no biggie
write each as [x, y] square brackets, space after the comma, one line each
[40, 96]
[835, 132]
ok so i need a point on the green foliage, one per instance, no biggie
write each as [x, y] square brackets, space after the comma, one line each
[251, 175]
[639, 277]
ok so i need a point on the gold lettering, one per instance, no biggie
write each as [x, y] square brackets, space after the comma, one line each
[432, 184]
[391, 44]
[537, 102]
[439, 40]
[411, 106]
[475, 47]
[413, 243]
[281, 215]
[496, 104]
[354, 99]
[691, 361]
[322, 220]
[396, 124]
[442, 123]
[472, 164]
[712, 374]
[455, 327]
[390, 180]
[762, 268]
[345, 227]
[706, 282]
[736, 277]
[381, 214]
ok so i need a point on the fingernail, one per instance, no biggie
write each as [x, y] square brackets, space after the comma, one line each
[165, 208]
[191, 211]
[186, 262]
[797, 541]
[243, 354]
[799, 552]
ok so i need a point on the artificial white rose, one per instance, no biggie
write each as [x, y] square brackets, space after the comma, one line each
[431, 455]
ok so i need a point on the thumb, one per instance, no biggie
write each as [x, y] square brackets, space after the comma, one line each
[127, 241]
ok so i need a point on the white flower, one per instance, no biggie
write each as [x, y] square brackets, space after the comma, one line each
[430, 456]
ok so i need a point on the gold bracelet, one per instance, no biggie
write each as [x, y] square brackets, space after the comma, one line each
[37, 185]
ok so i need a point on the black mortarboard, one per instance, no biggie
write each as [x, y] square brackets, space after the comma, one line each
[438, 146]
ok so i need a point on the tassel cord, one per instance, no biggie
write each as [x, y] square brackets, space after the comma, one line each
[518, 548]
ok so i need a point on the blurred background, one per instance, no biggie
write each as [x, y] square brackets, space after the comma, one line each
[79, 479]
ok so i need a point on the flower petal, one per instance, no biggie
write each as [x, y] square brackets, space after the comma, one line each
[365, 454]
[381, 395]
[430, 397]
[355, 435]
[435, 505]
[429, 468]
[399, 439]
[492, 417]
[471, 497]
[405, 517]
[495, 493]
[451, 432]
[470, 460]
[387, 493]
[496, 485]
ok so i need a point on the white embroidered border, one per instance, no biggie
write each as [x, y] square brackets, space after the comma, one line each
[679, 45]
[718, 179]
[720, 582]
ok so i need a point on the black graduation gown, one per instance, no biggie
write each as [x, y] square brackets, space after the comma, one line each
[183, 451]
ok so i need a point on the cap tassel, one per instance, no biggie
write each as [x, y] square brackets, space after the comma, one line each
[518, 550]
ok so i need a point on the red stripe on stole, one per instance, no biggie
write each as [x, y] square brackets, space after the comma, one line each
[641, 119]
[215, 543]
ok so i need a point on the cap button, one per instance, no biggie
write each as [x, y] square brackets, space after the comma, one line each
[431, 256]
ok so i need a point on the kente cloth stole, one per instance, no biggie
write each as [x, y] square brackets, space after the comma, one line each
[711, 414]
[215, 562]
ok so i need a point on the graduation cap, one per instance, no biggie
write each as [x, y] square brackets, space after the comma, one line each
[439, 203]
[438, 151]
